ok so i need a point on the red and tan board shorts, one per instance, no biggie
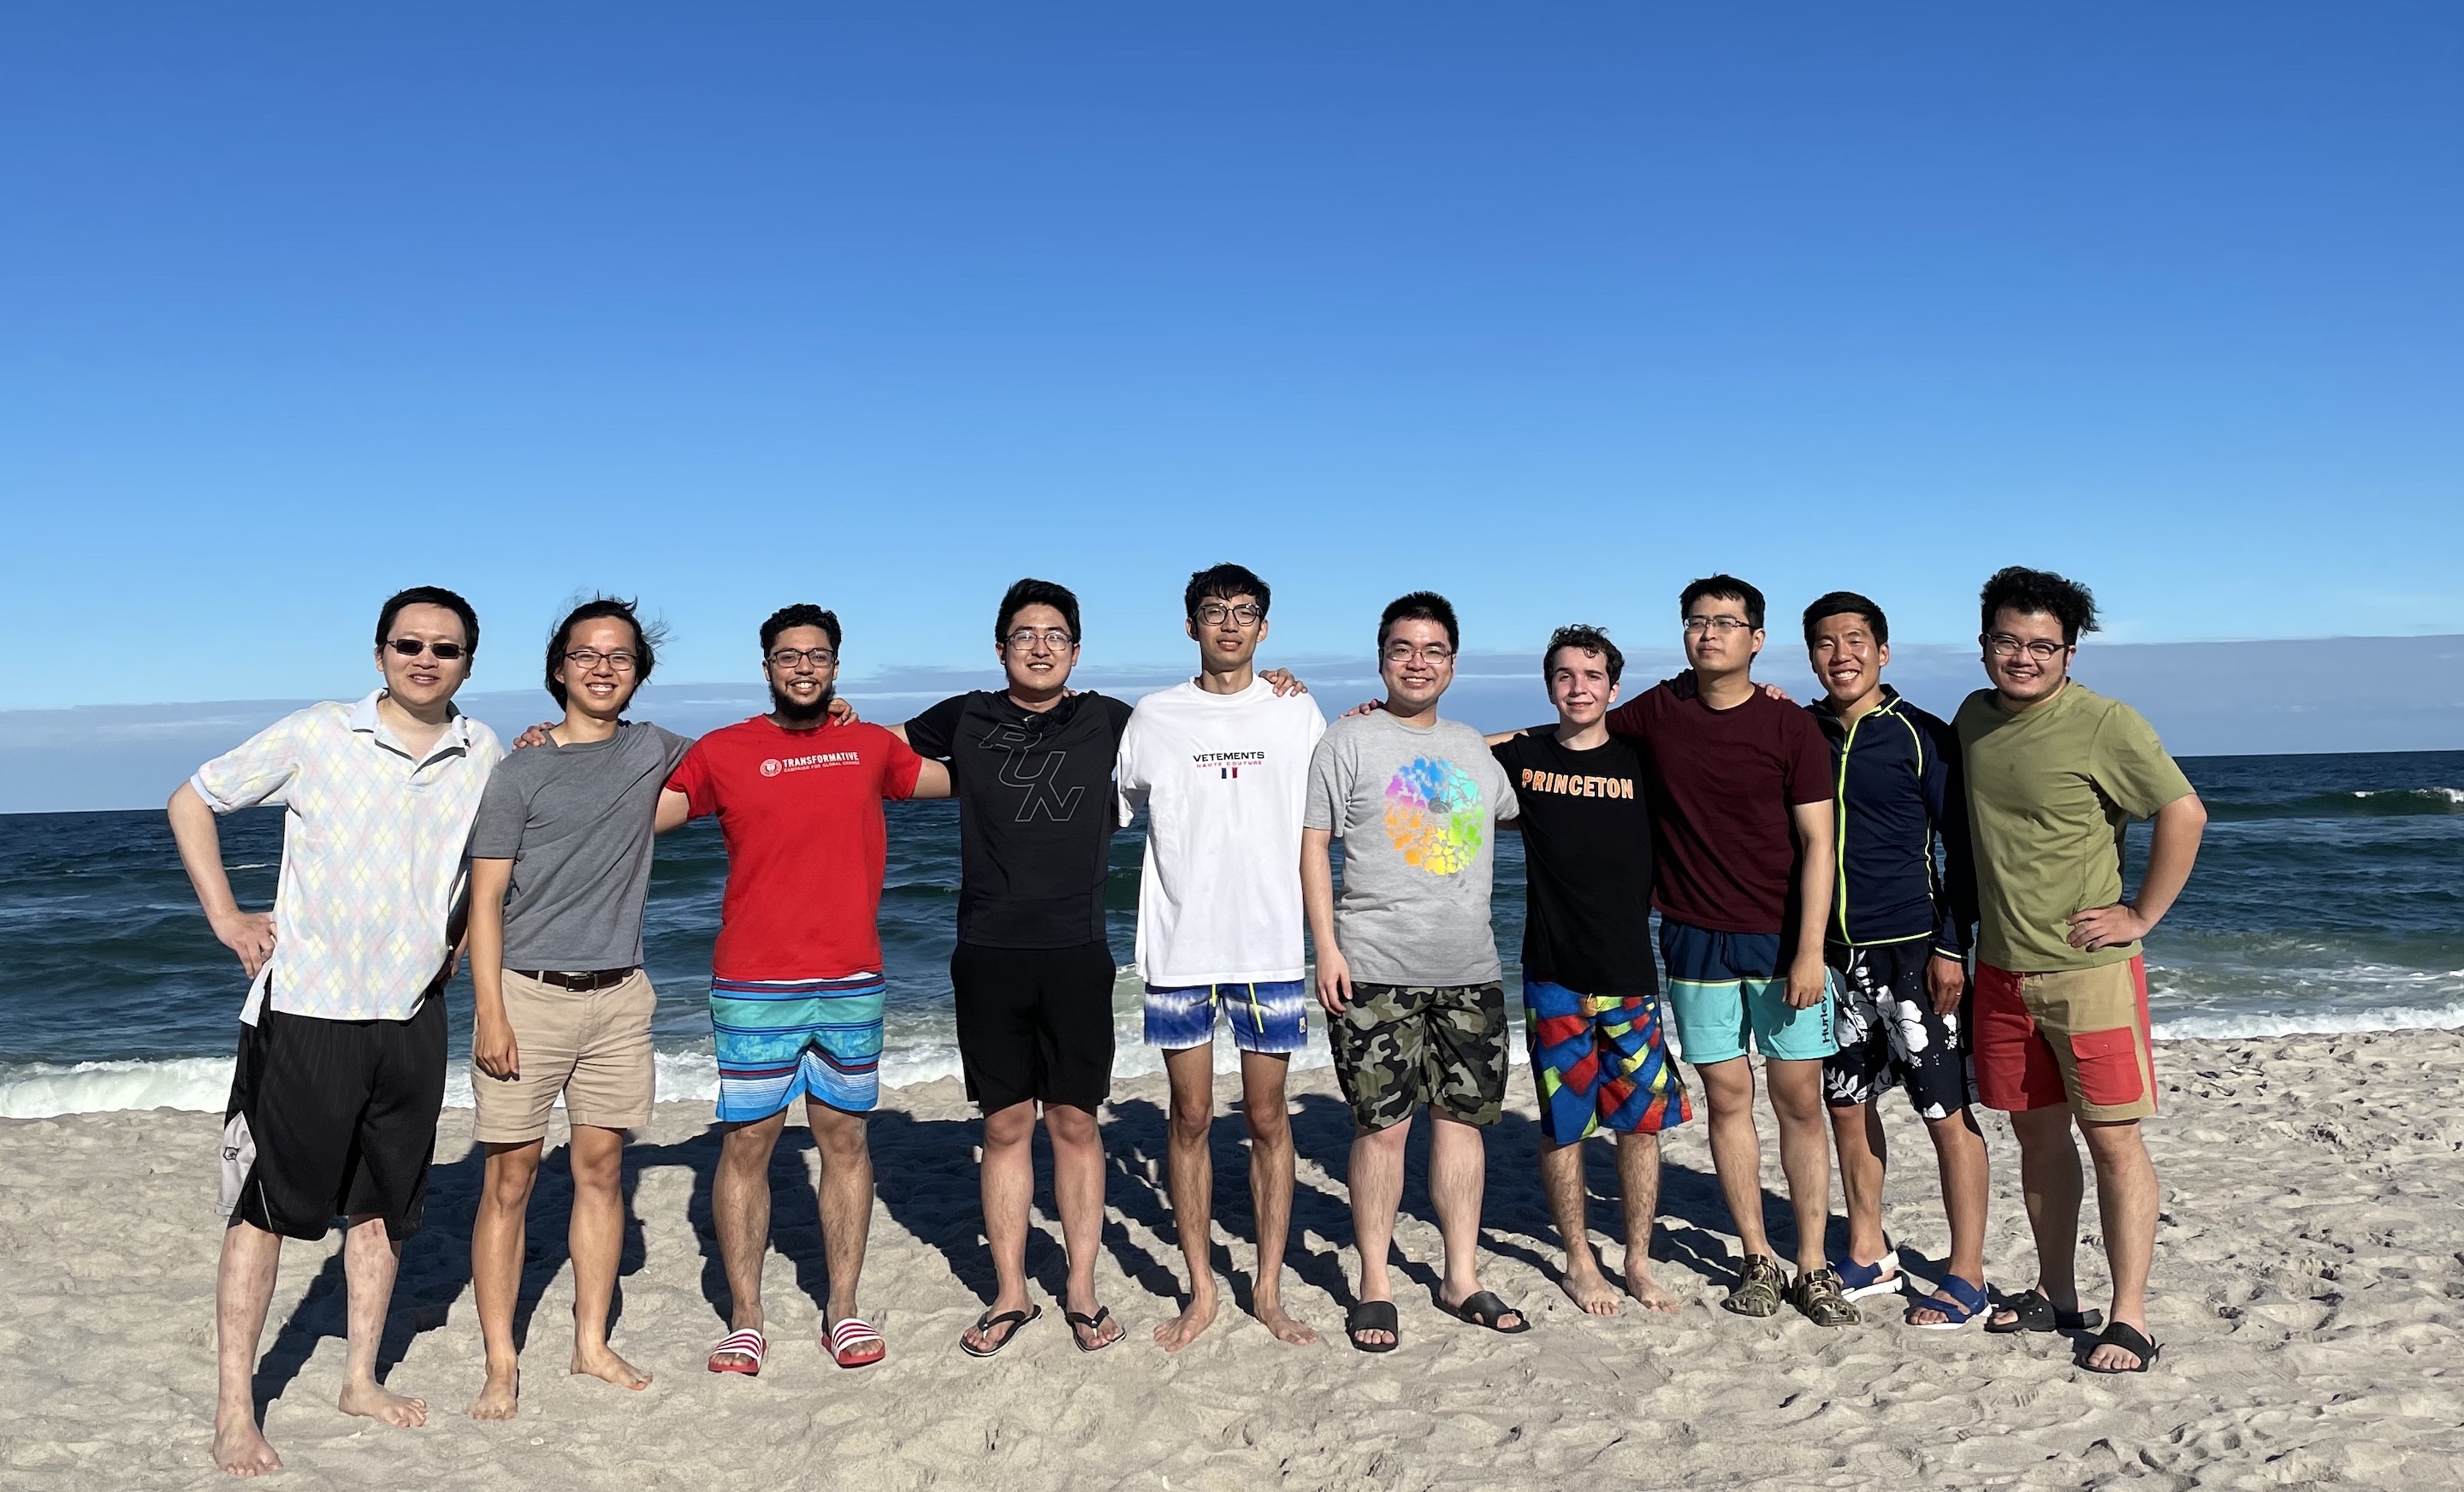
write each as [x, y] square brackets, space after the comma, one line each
[2076, 1036]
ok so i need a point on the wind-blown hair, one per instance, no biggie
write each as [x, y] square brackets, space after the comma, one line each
[2040, 593]
[646, 641]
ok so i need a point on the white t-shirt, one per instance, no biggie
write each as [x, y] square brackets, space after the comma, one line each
[1223, 779]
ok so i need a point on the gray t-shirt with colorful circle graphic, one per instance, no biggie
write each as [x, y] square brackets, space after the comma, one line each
[1416, 809]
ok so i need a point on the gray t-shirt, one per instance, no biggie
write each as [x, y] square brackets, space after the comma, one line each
[1418, 812]
[575, 821]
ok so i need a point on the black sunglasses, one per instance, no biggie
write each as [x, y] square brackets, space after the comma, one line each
[412, 648]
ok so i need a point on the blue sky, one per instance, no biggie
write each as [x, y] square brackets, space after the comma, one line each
[1550, 309]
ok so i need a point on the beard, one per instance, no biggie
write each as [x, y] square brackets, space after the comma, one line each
[793, 715]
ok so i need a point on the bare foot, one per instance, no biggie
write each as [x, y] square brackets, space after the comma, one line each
[501, 1396]
[1298, 1333]
[603, 1363]
[1592, 1292]
[1182, 1330]
[373, 1401]
[1647, 1292]
[241, 1449]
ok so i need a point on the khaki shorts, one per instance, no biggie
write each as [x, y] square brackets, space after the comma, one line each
[2077, 1037]
[591, 1046]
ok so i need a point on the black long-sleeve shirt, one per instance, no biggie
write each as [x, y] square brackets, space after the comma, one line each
[1899, 792]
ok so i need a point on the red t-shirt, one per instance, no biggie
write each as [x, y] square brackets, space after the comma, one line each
[801, 811]
[1722, 784]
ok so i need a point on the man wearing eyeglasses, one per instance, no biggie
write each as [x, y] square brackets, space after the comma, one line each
[1407, 966]
[1032, 974]
[1221, 764]
[341, 1073]
[560, 869]
[796, 984]
[1741, 823]
[2054, 774]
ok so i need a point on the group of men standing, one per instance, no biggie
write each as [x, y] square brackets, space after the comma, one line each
[1822, 876]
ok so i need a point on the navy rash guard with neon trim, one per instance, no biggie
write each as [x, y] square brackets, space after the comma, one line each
[1899, 794]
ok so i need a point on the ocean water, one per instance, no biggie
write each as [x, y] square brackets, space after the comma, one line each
[2329, 897]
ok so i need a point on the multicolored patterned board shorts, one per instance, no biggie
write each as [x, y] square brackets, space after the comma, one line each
[1397, 1046]
[778, 1039]
[1599, 1063]
[1271, 1017]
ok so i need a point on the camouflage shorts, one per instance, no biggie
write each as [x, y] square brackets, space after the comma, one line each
[1401, 1046]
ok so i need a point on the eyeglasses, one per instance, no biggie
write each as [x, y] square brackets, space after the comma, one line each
[589, 658]
[818, 657]
[412, 648]
[1215, 613]
[1405, 652]
[1052, 637]
[2044, 649]
[1697, 625]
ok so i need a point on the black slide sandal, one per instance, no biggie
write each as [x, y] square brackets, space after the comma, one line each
[1485, 1309]
[1015, 1320]
[2035, 1313]
[1374, 1316]
[2130, 1339]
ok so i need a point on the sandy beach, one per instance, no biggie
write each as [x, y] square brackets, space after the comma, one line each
[2309, 1278]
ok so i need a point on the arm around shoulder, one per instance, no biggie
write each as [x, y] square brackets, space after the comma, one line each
[674, 808]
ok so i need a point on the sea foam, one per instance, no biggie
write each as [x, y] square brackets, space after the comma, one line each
[42, 1090]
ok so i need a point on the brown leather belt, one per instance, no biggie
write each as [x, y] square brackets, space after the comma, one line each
[586, 980]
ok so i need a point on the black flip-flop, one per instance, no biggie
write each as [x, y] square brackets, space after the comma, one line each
[1374, 1316]
[1485, 1309]
[1093, 1323]
[1015, 1320]
[2127, 1337]
[2033, 1313]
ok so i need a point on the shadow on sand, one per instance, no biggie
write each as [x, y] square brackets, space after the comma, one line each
[933, 1195]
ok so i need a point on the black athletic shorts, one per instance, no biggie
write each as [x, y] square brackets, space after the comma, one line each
[1889, 1036]
[343, 1118]
[1035, 1023]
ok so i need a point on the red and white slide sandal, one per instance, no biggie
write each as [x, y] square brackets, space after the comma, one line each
[855, 1343]
[747, 1342]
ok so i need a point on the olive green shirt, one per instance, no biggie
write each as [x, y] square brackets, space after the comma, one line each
[2049, 794]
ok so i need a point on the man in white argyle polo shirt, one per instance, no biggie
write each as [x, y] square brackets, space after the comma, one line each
[342, 1052]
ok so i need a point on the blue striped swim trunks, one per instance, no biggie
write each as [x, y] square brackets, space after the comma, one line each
[777, 1039]
[1271, 1017]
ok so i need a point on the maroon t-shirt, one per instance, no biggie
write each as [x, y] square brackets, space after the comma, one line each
[1722, 784]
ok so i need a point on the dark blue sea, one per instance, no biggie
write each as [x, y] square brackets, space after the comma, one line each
[2329, 896]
